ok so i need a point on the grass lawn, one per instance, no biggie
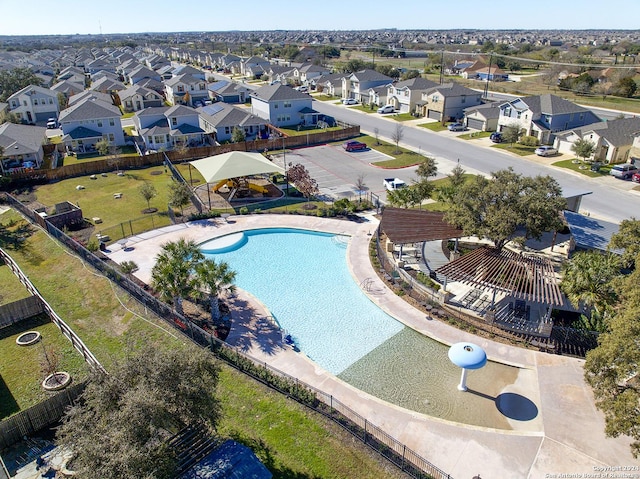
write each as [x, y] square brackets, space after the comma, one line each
[585, 170]
[322, 97]
[403, 117]
[12, 289]
[434, 126]
[97, 200]
[292, 441]
[475, 135]
[95, 156]
[304, 131]
[516, 148]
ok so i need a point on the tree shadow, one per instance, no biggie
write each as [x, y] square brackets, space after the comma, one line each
[266, 456]
[512, 405]
[250, 329]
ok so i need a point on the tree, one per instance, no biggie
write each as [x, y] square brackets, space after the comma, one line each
[179, 195]
[625, 87]
[586, 280]
[512, 133]
[128, 267]
[405, 197]
[360, 185]
[423, 188]
[583, 148]
[148, 192]
[14, 80]
[299, 176]
[103, 146]
[496, 208]
[238, 135]
[121, 425]
[376, 134]
[215, 278]
[627, 239]
[397, 135]
[173, 275]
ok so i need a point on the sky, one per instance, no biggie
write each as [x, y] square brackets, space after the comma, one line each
[54, 17]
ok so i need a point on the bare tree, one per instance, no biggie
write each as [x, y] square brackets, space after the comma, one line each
[397, 135]
[376, 133]
[299, 176]
[360, 185]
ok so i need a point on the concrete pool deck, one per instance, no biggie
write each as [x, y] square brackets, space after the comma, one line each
[566, 436]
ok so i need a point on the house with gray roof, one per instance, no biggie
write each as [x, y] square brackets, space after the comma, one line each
[224, 118]
[281, 105]
[613, 140]
[228, 92]
[447, 102]
[330, 84]
[543, 116]
[86, 122]
[87, 94]
[73, 74]
[358, 84]
[34, 104]
[68, 88]
[185, 90]
[136, 98]
[21, 146]
[141, 72]
[169, 127]
[406, 95]
[106, 84]
[483, 117]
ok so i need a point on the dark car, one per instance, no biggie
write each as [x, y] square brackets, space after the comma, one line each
[354, 146]
[496, 137]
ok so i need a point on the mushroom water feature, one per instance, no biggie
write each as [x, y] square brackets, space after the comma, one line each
[467, 356]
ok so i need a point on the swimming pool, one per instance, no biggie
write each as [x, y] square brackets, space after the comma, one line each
[303, 279]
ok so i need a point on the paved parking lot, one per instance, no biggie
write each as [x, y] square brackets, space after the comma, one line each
[337, 171]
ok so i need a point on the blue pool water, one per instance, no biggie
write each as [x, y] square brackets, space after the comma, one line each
[303, 279]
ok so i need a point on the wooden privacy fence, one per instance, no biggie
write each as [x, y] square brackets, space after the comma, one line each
[38, 417]
[18, 310]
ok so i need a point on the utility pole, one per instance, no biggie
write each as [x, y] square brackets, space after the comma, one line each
[486, 86]
[442, 67]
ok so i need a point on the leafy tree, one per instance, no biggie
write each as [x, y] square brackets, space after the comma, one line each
[300, 176]
[409, 75]
[625, 87]
[512, 133]
[9, 117]
[496, 208]
[215, 278]
[121, 425]
[355, 65]
[586, 280]
[179, 195]
[583, 148]
[173, 275]
[129, 267]
[103, 146]
[457, 176]
[14, 80]
[148, 192]
[627, 239]
[405, 197]
[397, 135]
[427, 168]
[238, 135]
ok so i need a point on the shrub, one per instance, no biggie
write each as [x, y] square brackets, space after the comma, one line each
[529, 141]
[93, 245]
[244, 210]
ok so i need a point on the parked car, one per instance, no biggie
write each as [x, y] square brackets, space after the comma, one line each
[636, 177]
[456, 127]
[386, 109]
[52, 123]
[349, 101]
[546, 150]
[302, 89]
[354, 146]
[393, 184]
[496, 137]
[624, 171]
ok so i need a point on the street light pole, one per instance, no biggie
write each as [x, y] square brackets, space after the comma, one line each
[284, 159]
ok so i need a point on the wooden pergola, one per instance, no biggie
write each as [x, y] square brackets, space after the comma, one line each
[404, 226]
[527, 277]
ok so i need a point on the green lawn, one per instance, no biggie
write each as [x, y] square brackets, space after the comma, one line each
[12, 289]
[126, 151]
[97, 200]
[434, 126]
[580, 167]
[475, 135]
[516, 148]
[403, 117]
[292, 441]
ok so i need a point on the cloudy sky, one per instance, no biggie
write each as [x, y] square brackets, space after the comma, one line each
[33, 17]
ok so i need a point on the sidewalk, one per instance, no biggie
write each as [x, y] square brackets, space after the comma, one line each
[566, 436]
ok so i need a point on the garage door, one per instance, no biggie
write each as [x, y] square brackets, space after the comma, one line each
[475, 123]
[434, 115]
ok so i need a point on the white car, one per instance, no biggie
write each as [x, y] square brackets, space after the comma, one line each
[349, 101]
[393, 184]
[546, 151]
[386, 109]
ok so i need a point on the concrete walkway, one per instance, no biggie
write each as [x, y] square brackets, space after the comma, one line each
[565, 437]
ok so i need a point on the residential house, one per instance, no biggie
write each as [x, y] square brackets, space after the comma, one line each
[86, 122]
[100, 64]
[153, 84]
[21, 146]
[140, 73]
[280, 73]
[281, 105]
[136, 98]
[406, 95]
[613, 140]
[543, 116]
[189, 70]
[34, 104]
[482, 117]
[185, 90]
[106, 84]
[90, 94]
[67, 88]
[228, 92]
[254, 67]
[304, 74]
[168, 127]
[223, 119]
[73, 74]
[447, 102]
[357, 84]
[330, 84]
[490, 74]
[376, 96]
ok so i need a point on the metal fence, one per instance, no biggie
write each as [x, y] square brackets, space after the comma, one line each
[135, 226]
[195, 199]
[373, 436]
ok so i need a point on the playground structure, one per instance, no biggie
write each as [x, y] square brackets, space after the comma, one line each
[242, 187]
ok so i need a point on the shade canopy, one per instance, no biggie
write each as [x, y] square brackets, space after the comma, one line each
[234, 165]
[467, 355]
